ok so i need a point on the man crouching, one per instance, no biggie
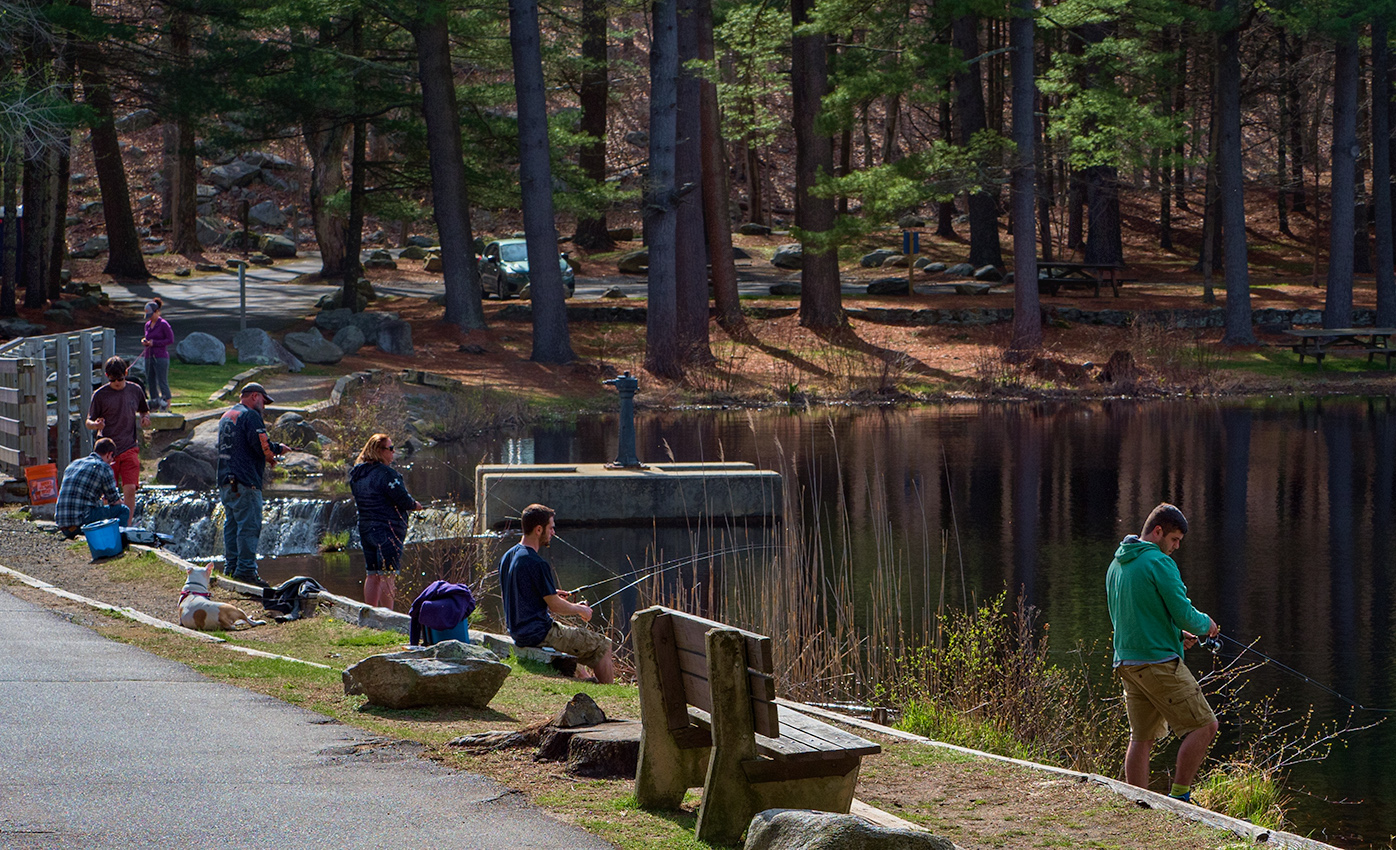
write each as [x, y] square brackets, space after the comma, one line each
[531, 598]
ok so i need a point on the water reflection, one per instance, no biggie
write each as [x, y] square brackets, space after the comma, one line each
[1291, 542]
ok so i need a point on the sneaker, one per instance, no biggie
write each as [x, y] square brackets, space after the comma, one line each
[252, 579]
[1186, 798]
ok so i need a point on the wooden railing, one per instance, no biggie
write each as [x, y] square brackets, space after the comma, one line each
[49, 379]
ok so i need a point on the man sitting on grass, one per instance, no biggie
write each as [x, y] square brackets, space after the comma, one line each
[88, 492]
[531, 597]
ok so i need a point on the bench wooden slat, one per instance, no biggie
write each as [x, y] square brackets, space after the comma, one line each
[671, 681]
[761, 770]
[832, 737]
[691, 633]
[691, 658]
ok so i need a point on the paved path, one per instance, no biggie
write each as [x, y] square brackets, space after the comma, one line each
[106, 746]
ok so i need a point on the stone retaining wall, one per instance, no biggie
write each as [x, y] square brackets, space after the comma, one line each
[1266, 318]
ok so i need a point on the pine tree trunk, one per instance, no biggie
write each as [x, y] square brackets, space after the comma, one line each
[325, 138]
[450, 193]
[124, 258]
[9, 250]
[1027, 312]
[354, 232]
[1231, 182]
[181, 192]
[57, 242]
[592, 233]
[691, 249]
[821, 301]
[984, 248]
[662, 355]
[945, 210]
[552, 342]
[716, 196]
[1361, 241]
[1337, 302]
[1282, 138]
[1381, 173]
[35, 188]
[1298, 195]
[1104, 242]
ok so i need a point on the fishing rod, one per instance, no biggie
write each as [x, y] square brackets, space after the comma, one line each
[1214, 645]
[663, 566]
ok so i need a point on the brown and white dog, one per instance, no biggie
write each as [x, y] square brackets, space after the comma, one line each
[198, 611]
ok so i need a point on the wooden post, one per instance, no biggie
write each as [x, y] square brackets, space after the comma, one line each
[86, 385]
[63, 392]
[33, 440]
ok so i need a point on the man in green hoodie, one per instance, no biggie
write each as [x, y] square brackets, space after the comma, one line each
[1154, 622]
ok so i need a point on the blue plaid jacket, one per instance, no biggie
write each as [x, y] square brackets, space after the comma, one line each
[86, 483]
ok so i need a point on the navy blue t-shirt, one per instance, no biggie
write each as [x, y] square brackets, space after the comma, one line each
[524, 579]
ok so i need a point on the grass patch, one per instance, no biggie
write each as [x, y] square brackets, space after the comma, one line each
[1280, 362]
[1245, 792]
[335, 541]
[931, 719]
[140, 566]
[192, 384]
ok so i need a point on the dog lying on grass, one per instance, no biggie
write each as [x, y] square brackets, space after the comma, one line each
[198, 611]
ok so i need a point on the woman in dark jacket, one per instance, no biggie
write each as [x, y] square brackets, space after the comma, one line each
[383, 503]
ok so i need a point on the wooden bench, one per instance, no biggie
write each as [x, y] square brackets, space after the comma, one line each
[709, 717]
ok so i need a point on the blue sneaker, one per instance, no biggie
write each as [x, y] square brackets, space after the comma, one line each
[1186, 798]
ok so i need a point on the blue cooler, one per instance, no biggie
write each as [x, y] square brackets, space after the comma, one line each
[103, 538]
[461, 633]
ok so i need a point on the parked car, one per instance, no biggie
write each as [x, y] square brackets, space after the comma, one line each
[504, 269]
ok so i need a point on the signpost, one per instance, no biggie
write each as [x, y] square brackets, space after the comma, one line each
[911, 246]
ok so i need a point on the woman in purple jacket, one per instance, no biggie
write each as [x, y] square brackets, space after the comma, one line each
[159, 336]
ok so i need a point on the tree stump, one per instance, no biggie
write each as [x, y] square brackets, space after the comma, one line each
[605, 751]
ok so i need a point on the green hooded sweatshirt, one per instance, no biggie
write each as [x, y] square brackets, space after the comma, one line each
[1149, 605]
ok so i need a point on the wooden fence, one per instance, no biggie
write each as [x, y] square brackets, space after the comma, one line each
[48, 381]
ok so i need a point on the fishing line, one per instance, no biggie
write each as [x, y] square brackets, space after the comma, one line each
[1354, 703]
[656, 569]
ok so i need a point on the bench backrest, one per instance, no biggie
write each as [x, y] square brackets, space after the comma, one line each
[682, 654]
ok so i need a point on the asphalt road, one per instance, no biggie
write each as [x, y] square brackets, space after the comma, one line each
[105, 746]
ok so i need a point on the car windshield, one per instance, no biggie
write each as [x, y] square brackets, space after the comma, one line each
[513, 252]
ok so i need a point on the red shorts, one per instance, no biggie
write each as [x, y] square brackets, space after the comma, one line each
[127, 467]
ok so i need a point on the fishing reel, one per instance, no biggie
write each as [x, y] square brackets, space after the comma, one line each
[1212, 644]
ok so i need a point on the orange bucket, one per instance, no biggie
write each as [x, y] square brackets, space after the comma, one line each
[43, 483]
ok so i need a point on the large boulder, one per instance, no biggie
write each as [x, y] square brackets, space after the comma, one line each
[752, 228]
[961, 270]
[334, 320]
[255, 346]
[293, 430]
[279, 247]
[447, 673]
[235, 173]
[203, 443]
[134, 122]
[801, 829]
[875, 259]
[413, 252]
[634, 262]
[210, 231]
[988, 273]
[293, 363]
[789, 256]
[370, 323]
[183, 469]
[201, 349]
[267, 214]
[311, 347]
[349, 339]
[889, 286]
[395, 337]
[262, 159]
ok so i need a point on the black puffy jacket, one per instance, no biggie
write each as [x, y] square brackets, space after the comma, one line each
[381, 496]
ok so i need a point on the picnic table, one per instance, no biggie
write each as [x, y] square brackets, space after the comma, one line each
[1054, 274]
[1319, 342]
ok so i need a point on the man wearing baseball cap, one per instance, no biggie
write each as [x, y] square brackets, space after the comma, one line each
[244, 450]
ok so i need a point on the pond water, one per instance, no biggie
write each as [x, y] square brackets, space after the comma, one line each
[1290, 501]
